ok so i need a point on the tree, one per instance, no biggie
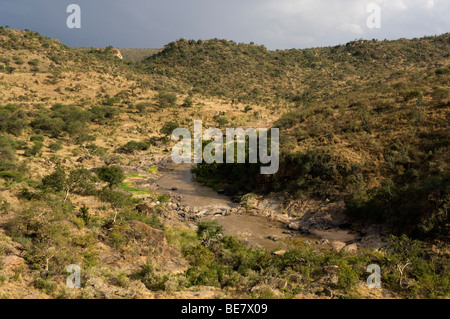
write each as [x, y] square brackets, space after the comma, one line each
[80, 181]
[168, 128]
[166, 99]
[404, 252]
[113, 175]
[116, 199]
[209, 231]
[56, 181]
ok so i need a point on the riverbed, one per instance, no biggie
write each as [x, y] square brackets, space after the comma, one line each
[256, 231]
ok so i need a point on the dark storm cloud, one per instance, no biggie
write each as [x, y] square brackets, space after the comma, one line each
[275, 23]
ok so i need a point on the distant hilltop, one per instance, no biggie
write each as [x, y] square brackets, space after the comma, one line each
[129, 54]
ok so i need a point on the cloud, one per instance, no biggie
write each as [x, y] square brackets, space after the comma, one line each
[279, 24]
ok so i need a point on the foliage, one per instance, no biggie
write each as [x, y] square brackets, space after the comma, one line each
[113, 175]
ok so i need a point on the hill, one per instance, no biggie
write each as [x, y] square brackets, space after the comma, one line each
[129, 54]
[251, 74]
[364, 127]
[364, 120]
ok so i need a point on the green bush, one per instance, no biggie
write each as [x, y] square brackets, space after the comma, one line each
[412, 94]
[35, 150]
[347, 277]
[56, 146]
[52, 126]
[55, 181]
[133, 146]
[37, 138]
[113, 175]
[166, 99]
[169, 127]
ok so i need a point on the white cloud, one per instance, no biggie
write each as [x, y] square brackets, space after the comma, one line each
[278, 24]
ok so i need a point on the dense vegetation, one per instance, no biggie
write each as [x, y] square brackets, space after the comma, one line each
[382, 146]
[250, 73]
[365, 122]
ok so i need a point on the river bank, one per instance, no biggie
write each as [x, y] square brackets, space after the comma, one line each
[259, 221]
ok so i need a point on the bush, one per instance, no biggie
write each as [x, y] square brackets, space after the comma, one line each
[113, 175]
[12, 119]
[56, 181]
[35, 149]
[34, 62]
[166, 99]
[187, 102]
[168, 128]
[133, 146]
[14, 175]
[56, 146]
[347, 277]
[142, 107]
[412, 94]
[37, 138]
[52, 126]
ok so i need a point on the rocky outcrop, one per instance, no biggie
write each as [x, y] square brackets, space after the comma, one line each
[327, 216]
[116, 53]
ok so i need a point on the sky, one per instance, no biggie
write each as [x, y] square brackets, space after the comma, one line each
[277, 24]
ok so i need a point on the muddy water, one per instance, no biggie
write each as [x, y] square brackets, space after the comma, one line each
[256, 231]
[192, 193]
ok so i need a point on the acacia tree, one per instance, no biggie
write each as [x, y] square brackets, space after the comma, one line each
[79, 180]
[113, 175]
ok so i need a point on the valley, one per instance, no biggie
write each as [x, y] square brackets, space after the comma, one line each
[87, 178]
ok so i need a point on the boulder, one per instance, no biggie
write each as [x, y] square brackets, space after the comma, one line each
[13, 262]
[352, 248]
[337, 245]
[147, 235]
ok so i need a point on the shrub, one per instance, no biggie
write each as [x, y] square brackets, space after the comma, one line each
[412, 94]
[37, 138]
[35, 149]
[113, 175]
[14, 175]
[132, 146]
[166, 99]
[56, 146]
[56, 181]
[10, 69]
[151, 279]
[168, 128]
[142, 107]
[209, 231]
[187, 102]
[52, 126]
[347, 277]
[34, 62]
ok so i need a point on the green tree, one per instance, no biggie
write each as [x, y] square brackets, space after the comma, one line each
[56, 181]
[113, 175]
[168, 128]
[209, 231]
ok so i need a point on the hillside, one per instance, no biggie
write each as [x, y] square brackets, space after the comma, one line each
[363, 119]
[251, 74]
[84, 146]
[129, 54]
